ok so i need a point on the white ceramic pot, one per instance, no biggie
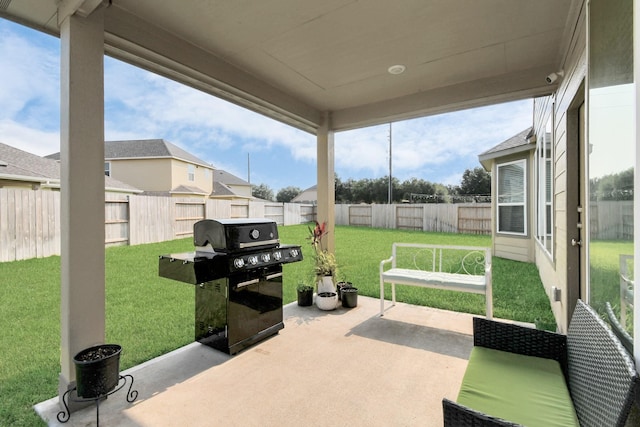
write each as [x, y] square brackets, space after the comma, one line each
[327, 300]
[325, 284]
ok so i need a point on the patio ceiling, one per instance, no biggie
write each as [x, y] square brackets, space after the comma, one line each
[294, 60]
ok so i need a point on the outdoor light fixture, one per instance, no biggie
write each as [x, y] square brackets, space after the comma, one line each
[396, 69]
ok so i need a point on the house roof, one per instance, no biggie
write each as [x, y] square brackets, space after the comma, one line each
[518, 143]
[19, 165]
[308, 195]
[187, 189]
[145, 149]
[225, 177]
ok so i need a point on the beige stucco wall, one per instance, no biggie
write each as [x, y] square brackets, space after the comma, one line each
[147, 174]
[22, 185]
[160, 174]
[203, 176]
[241, 190]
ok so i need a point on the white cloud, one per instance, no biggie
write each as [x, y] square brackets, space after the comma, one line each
[28, 139]
[167, 109]
[425, 143]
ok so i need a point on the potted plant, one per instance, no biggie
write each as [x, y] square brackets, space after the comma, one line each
[305, 294]
[325, 266]
[97, 370]
[342, 284]
[349, 295]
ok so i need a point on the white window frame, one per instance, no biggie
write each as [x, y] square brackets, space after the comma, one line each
[107, 168]
[191, 172]
[545, 188]
[500, 204]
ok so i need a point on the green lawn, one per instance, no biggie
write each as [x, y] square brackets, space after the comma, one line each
[149, 315]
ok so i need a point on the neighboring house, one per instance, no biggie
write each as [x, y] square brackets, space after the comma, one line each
[158, 167]
[512, 187]
[310, 195]
[229, 186]
[22, 170]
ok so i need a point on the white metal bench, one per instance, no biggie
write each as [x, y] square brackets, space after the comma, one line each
[456, 268]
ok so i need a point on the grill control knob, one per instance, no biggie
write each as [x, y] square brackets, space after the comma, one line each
[266, 257]
[253, 260]
[277, 255]
[238, 262]
[294, 253]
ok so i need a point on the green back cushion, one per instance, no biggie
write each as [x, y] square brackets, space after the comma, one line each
[522, 389]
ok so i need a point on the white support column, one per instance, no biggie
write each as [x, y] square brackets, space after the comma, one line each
[326, 180]
[636, 185]
[82, 305]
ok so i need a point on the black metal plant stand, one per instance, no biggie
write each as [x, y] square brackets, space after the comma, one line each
[132, 395]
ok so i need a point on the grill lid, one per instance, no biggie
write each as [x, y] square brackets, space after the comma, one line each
[232, 235]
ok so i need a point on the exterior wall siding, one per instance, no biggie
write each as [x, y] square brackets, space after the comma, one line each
[554, 270]
[149, 175]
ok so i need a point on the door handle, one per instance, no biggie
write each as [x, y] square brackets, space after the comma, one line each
[575, 242]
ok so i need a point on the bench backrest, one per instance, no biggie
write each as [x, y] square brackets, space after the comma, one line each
[473, 260]
[602, 376]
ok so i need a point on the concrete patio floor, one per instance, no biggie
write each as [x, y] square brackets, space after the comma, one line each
[347, 367]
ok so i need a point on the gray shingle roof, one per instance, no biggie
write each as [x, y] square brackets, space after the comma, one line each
[519, 143]
[144, 149]
[515, 142]
[227, 178]
[20, 163]
[186, 189]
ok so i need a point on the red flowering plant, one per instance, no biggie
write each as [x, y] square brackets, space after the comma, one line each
[325, 261]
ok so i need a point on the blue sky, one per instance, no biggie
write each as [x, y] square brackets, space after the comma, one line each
[142, 105]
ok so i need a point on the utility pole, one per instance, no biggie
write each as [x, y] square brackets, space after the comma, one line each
[249, 169]
[390, 159]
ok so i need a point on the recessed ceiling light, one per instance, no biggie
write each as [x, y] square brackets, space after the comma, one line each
[397, 69]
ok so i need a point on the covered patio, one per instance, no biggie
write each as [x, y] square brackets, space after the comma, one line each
[325, 67]
[345, 367]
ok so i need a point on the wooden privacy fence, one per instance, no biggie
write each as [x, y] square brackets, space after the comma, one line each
[30, 219]
[470, 218]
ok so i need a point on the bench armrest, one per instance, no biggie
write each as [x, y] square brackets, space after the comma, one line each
[383, 262]
[520, 340]
[457, 415]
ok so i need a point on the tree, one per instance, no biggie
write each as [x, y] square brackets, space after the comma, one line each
[475, 181]
[262, 191]
[286, 194]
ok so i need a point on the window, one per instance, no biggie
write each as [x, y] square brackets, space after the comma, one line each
[544, 188]
[191, 172]
[512, 213]
[107, 168]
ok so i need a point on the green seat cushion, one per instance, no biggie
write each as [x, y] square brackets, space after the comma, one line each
[522, 389]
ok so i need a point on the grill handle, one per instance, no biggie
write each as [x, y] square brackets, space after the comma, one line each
[273, 276]
[247, 283]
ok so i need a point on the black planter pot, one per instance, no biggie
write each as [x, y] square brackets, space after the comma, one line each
[342, 285]
[305, 298]
[97, 370]
[349, 297]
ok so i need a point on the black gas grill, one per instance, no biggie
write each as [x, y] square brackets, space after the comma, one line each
[237, 270]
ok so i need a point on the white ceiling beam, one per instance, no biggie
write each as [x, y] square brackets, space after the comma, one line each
[83, 8]
[478, 93]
